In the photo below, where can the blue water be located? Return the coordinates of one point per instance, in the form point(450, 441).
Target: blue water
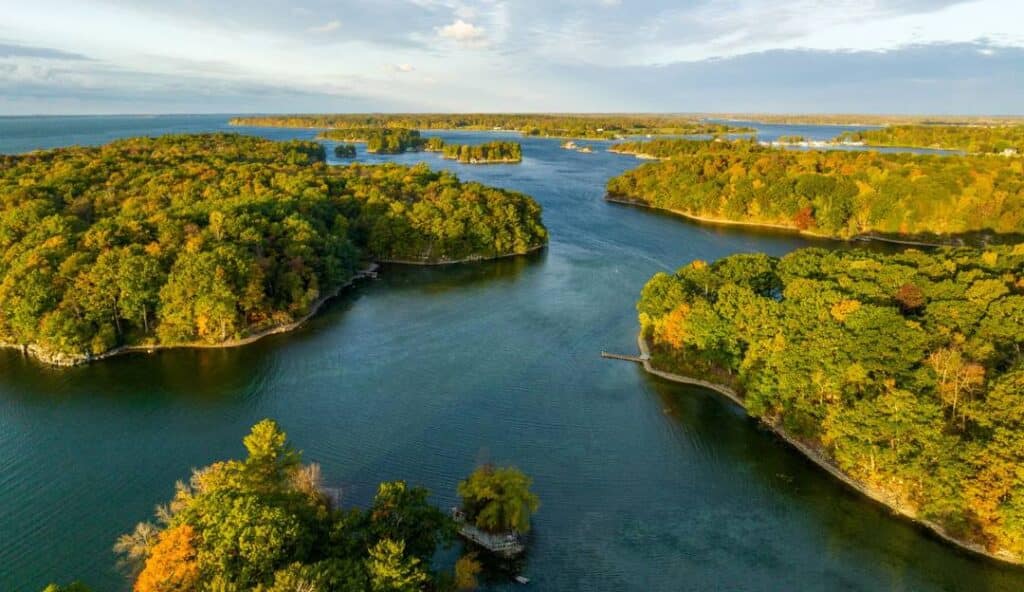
point(645, 485)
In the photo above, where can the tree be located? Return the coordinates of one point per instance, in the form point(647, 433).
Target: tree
point(172, 564)
point(498, 499)
point(391, 570)
point(401, 513)
point(466, 570)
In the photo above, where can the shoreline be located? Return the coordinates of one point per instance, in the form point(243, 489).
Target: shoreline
point(475, 259)
point(68, 361)
point(822, 461)
point(370, 271)
point(770, 226)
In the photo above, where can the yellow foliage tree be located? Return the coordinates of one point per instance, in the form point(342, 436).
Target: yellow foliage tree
point(172, 565)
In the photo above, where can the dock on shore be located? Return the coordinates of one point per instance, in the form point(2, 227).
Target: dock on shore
point(638, 359)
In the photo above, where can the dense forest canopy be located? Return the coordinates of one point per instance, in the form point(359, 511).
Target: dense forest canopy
point(209, 238)
point(380, 140)
point(266, 523)
point(833, 193)
point(484, 153)
point(969, 138)
point(906, 370)
point(608, 126)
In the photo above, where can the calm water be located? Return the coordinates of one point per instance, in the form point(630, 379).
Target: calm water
point(424, 373)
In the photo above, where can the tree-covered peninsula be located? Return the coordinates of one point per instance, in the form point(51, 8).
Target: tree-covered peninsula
point(838, 194)
point(973, 139)
point(487, 153)
point(378, 140)
point(209, 239)
point(903, 371)
point(268, 523)
point(597, 126)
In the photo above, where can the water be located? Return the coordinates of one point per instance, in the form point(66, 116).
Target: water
point(645, 485)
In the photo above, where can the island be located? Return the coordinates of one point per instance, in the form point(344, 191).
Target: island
point(487, 153)
point(901, 374)
point(215, 240)
point(835, 194)
point(345, 151)
point(269, 522)
point(1005, 140)
point(378, 140)
point(584, 125)
point(434, 144)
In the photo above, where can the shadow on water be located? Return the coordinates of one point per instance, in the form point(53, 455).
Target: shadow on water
point(222, 376)
point(439, 279)
point(794, 487)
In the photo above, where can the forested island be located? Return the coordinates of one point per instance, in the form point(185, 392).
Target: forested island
point(345, 151)
point(211, 239)
point(974, 139)
point(839, 194)
point(903, 371)
point(487, 153)
point(596, 126)
point(268, 523)
point(378, 140)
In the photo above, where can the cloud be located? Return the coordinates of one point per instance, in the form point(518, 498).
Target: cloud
point(22, 51)
point(462, 32)
point(401, 68)
point(326, 27)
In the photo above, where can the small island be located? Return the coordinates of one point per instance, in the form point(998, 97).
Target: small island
point(378, 140)
point(216, 240)
point(496, 508)
point(488, 153)
point(434, 144)
point(345, 151)
point(901, 374)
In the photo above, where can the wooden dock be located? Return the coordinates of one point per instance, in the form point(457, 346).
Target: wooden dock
point(507, 544)
point(638, 359)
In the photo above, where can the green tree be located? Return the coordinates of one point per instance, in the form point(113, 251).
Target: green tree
point(499, 498)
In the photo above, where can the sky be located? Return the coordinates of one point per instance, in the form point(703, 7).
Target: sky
point(300, 56)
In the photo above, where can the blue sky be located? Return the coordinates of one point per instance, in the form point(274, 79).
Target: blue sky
point(162, 56)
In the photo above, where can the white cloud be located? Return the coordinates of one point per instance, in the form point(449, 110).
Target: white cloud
point(326, 27)
point(403, 68)
point(462, 32)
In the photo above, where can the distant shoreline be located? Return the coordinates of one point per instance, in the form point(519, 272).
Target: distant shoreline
point(819, 458)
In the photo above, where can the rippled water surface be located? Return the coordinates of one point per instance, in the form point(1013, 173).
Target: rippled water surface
point(422, 374)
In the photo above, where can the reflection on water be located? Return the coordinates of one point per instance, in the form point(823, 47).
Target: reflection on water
point(426, 372)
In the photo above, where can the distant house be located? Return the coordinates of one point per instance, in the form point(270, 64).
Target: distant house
point(1009, 152)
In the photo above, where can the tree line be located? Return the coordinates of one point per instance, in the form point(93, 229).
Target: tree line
point(833, 193)
point(484, 153)
point(986, 139)
point(268, 524)
point(598, 126)
point(379, 140)
point(905, 370)
point(209, 238)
